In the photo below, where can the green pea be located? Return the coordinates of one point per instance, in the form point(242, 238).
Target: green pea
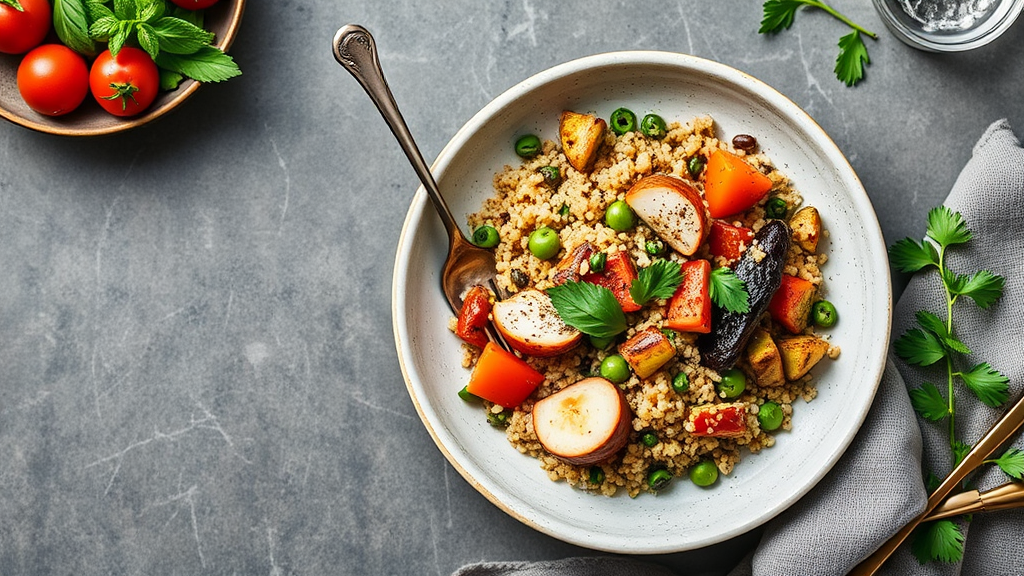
point(653, 126)
point(658, 478)
point(597, 262)
point(615, 369)
point(601, 343)
point(499, 419)
point(619, 216)
point(528, 146)
point(649, 439)
point(769, 415)
point(670, 334)
point(776, 208)
point(486, 237)
point(681, 383)
point(694, 166)
point(468, 396)
point(733, 383)
point(544, 243)
point(552, 176)
point(825, 314)
point(654, 247)
point(564, 210)
point(622, 120)
point(596, 475)
point(704, 473)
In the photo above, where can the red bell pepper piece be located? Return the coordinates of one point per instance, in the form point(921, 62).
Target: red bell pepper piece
point(689, 310)
point(476, 307)
point(728, 241)
point(503, 378)
point(617, 276)
point(719, 420)
point(791, 304)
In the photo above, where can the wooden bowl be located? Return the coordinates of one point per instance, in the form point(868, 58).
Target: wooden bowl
point(223, 19)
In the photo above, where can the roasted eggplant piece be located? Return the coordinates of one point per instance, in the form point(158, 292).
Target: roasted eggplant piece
point(761, 270)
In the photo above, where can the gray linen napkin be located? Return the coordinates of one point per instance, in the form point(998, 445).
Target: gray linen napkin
point(877, 486)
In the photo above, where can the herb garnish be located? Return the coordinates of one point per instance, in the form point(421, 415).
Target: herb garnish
point(935, 341)
point(13, 4)
point(659, 280)
point(728, 291)
point(853, 54)
point(589, 308)
point(173, 37)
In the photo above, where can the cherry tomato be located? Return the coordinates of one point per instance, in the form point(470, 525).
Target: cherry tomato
point(124, 85)
point(21, 31)
point(194, 4)
point(473, 316)
point(53, 79)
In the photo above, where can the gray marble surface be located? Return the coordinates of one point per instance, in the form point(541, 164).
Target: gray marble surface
point(198, 368)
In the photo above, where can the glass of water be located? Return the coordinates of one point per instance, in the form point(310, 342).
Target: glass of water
point(948, 25)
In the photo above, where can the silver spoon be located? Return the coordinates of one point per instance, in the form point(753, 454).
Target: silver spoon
point(466, 265)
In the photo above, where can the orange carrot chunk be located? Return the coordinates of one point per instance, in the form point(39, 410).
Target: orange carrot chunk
point(501, 377)
point(731, 185)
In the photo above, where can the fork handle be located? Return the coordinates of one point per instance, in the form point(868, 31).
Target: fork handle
point(356, 51)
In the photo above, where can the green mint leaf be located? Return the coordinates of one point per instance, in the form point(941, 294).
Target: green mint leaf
point(117, 41)
point(71, 23)
point(728, 291)
point(169, 80)
point(929, 403)
point(103, 28)
point(151, 10)
point(947, 227)
point(194, 17)
point(988, 385)
point(126, 9)
point(148, 39)
point(589, 308)
point(853, 55)
point(208, 64)
point(778, 15)
point(13, 4)
point(919, 347)
point(180, 37)
point(659, 280)
point(1012, 463)
point(909, 256)
point(984, 288)
point(941, 540)
point(960, 451)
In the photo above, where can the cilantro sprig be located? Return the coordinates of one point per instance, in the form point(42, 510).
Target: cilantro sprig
point(173, 37)
point(728, 291)
point(853, 54)
point(935, 341)
point(589, 308)
point(659, 280)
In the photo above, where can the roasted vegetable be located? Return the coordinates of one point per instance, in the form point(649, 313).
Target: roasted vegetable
point(617, 276)
point(581, 136)
point(765, 360)
point(472, 324)
point(791, 304)
point(761, 271)
point(689, 310)
point(647, 351)
point(530, 324)
point(583, 423)
point(673, 208)
point(800, 354)
point(571, 267)
point(731, 185)
point(718, 420)
point(806, 225)
point(728, 241)
point(502, 378)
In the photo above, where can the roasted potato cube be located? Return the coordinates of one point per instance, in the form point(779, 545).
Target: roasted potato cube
point(581, 136)
point(647, 351)
point(800, 354)
point(806, 225)
point(765, 360)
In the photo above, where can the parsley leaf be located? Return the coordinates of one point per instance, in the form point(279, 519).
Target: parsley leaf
point(659, 280)
point(929, 403)
point(853, 55)
point(909, 256)
point(983, 287)
point(728, 291)
point(919, 347)
point(947, 227)
point(589, 308)
point(937, 327)
point(988, 385)
point(940, 540)
point(1011, 462)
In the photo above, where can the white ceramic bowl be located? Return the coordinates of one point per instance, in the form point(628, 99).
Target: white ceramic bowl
point(684, 516)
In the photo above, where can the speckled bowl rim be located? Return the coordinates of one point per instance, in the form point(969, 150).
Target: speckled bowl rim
point(224, 43)
point(877, 320)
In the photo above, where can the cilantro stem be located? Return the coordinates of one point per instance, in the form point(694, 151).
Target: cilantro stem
point(841, 18)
